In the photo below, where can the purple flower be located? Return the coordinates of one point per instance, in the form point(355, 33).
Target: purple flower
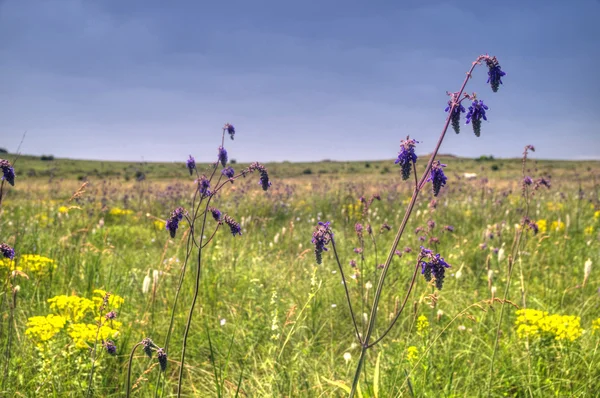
point(475, 114)
point(407, 249)
point(353, 263)
point(264, 176)
point(191, 164)
point(495, 73)
point(228, 172)
point(433, 265)
point(8, 172)
point(321, 237)
point(358, 250)
point(449, 228)
point(162, 359)
point(7, 251)
point(234, 227)
point(148, 345)
point(455, 117)
point(541, 182)
point(222, 156)
point(385, 227)
point(437, 177)
point(215, 213)
point(406, 156)
point(359, 230)
point(111, 315)
point(369, 229)
point(431, 224)
point(531, 224)
point(230, 129)
point(110, 347)
point(203, 186)
point(173, 221)
point(398, 253)
point(527, 180)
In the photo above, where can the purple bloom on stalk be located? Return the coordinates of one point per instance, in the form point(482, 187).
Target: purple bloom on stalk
point(234, 226)
point(111, 315)
point(398, 253)
point(353, 263)
point(495, 73)
point(191, 164)
point(203, 185)
point(406, 156)
point(162, 359)
point(7, 251)
point(437, 177)
point(228, 172)
point(359, 230)
point(449, 228)
point(230, 129)
point(222, 156)
point(455, 117)
point(321, 237)
point(433, 266)
point(215, 213)
point(264, 176)
point(475, 114)
point(148, 345)
point(173, 221)
point(358, 250)
point(527, 180)
point(8, 172)
point(110, 347)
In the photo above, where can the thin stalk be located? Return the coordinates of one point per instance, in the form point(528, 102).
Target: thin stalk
point(129, 368)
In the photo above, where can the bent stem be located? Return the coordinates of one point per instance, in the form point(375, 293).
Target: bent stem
point(408, 212)
point(129, 368)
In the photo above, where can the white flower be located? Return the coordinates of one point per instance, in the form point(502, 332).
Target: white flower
point(587, 270)
point(333, 305)
point(462, 328)
point(223, 321)
point(347, 357)
point(146, 283)
point(493, 291)
point(368, 285)
point(500, 255)
point(276, 238)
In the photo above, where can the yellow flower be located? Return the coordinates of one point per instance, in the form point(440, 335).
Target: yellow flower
point(557, 226)
point(539, 324)
point(36, 263)
point(554, 206)
point(63, 209)
point(596, 326)
point(542, 225)
point(588, 230)
point(422, 325)
point(115, 211)
point(159, 224)
point(114, 301)
point(84, 334)
point(43, 328)
point(412, 353)
point(71, 307)
point(468, 213)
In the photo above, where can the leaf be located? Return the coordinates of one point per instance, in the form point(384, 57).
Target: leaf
point(376, 376)
point(337, 384)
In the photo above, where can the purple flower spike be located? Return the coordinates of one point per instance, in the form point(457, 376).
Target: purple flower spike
point(455, 117)
point(321, 237)
point(406, 156)
point(173, 221)
point(234, 227)
point(475, 114)
point(228, 172)
point(437, 177)
point(264, 176)
point(215, 213)
point(230, 129)
point(191, 164)
point(203, 185)
point(110, 347)
point(162, 359)
point(7, 251)
point(433, 266)
point(8, 172)
point(222, 156)
point(495, 73)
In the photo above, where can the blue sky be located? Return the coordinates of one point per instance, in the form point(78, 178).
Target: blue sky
point(302, 80)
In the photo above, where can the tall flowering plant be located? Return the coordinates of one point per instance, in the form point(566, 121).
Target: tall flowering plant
point(431, 265)
point(201, 216)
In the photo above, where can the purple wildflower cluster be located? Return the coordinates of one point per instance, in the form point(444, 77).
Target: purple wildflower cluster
point(191, 164)
point(406, 156)
point(215, 213)
point(8, 172)
point(234, 226)
point(531, 224)
point(203, 186)
point(321, 237)
point(437, 177)
point(7, 251)
point(495, 73)
point(433, 266)
point(110, 347)
point(455, 116)
point(173, 221)
point(223, 156)
point(162, 359)
point(148, 345)
point(229, 129)
point(264, 176)
point(475, 114)
point(228, 172)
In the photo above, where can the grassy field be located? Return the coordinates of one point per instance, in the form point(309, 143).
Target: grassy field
point(271, 322)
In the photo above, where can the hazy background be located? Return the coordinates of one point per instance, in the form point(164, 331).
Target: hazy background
point(304, 80)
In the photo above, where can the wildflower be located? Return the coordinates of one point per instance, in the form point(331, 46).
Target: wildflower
point(353, 263)
point(162, 355)
point(449, 228)
point(455, 117)
point(433, 265)
point(398, 253)
point(111, 315)
point(191, 164)
point(541, 182)
point(596, 326)
point(431, 224)
point(215, 213)
point(422, 325)
point(531, 224)
point(173, 221)
point(540, 324)
point(264, 176)
point(110, 347)
point(406, 156)
point(222, 156)
point(235, 227)
point(230, 129)
point(557, 226)
point(412, 353)
point(542, 225)
point(228, 172)
point(146, 283)
point(587, 270)
point(43, 328)
point(73, 308)
point(369, 229)
point(439, 315)
point(407, 250)
point(359, 230)
point(8, 172)
point(589, 230)
point(347, 357)
point(321, 237)
point(203, 186)
point(475, 114)
point(527, 180)
point(385, 227)
point(358, 250)
point(501, 255)
point(495, 73)
point(148, 345)
point(437, 177)
point(368, 285)
point(7, 251)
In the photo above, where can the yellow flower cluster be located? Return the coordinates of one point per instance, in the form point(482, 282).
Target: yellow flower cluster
point(540, 324)
point(554, 206)
point(115, 211)
point(32, 263)
point(596, 326)
point(63, 209)
point(68, 314)
point(160, 225)
point(412, 353)
point(353, 210)
point(588, 230)
point(597, 214)
point(557, 226)
point(422, 324)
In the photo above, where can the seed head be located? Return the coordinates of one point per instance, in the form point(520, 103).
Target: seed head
point(215, 213)
point(264, 176)
point(148, 346)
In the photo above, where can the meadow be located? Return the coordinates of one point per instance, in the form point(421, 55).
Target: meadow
point(269, 320)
